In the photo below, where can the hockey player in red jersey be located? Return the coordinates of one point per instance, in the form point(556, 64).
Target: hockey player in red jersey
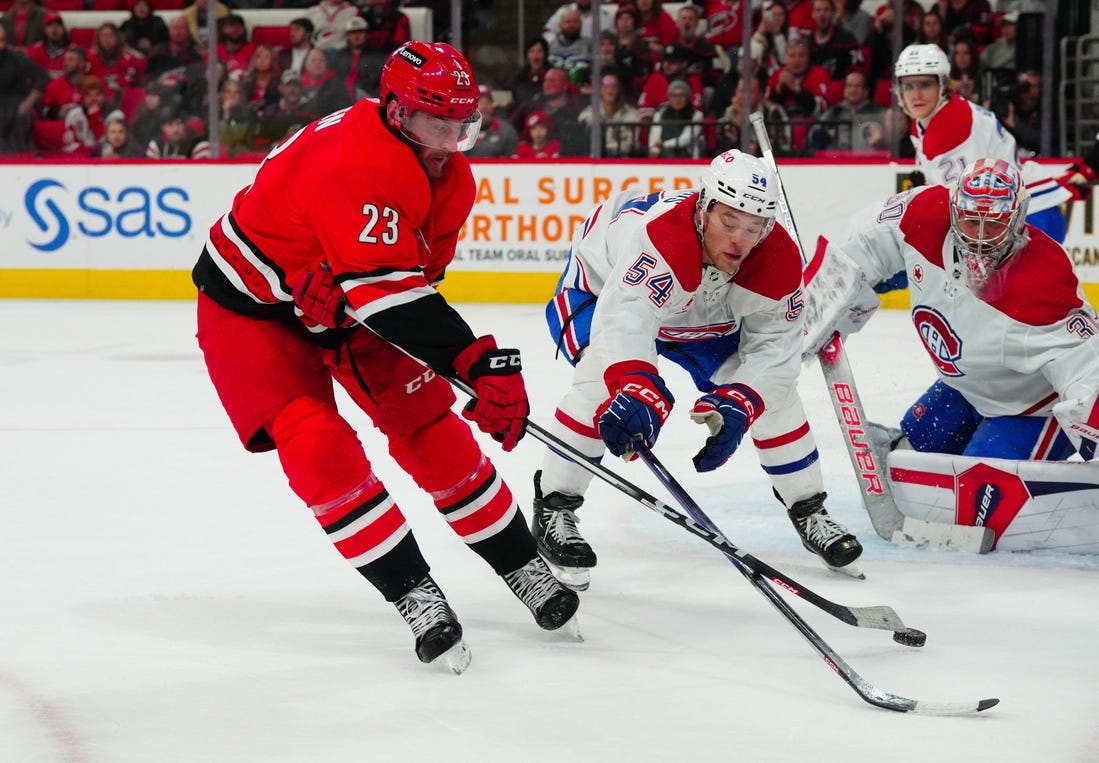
point(706, 279)
point(371, 198)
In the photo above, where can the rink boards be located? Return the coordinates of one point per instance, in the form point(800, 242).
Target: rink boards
point(133, 230)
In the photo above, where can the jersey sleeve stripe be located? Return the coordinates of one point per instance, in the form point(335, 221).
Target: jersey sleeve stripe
point(248, 270)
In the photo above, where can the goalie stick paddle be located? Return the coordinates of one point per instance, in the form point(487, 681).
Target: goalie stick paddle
point(869, 466)
point(862, 687)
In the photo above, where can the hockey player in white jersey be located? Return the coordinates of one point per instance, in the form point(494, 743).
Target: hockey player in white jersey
point(950, 132)
point(706, 279)
point(997, 306)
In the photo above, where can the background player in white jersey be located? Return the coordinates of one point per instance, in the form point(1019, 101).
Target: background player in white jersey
point(705, 278)
point(360, 212)
point(950, 132)
point(996, 305)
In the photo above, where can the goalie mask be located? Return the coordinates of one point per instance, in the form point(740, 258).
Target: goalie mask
point(740, 181)
point(987, 212)
point(435, 93)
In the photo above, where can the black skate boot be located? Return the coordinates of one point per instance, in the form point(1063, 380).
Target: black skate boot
point(434, 625)
point(551, 603)
point(822, 535)
point(553, 526)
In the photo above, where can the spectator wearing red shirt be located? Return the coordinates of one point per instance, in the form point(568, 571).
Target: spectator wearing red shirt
point(654, 94)
point(49, 52)
point(112, 61)
point(834, 49)
point(725, 26)
point(657, 28)
point(537, 142)
point(702, 52)
point(388, 27)
point(800, 89)
point(64, 92)
point(800, 15)
point(234, 49)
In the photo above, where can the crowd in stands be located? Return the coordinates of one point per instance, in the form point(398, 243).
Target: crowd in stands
point(671, 85)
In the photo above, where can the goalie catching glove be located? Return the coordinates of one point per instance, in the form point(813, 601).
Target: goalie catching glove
point(319, 301)
point(640, 406)
point(728, 411)
point(501, 407)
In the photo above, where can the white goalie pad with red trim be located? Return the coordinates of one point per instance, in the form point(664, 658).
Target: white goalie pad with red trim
point(1029, 505)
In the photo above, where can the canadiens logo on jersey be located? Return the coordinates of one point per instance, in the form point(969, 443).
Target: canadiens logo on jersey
point(695, 333)
point(939, 339)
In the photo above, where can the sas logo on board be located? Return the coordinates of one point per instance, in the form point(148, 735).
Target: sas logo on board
point(95, 212)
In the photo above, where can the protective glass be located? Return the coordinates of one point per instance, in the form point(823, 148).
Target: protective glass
point(440, 133)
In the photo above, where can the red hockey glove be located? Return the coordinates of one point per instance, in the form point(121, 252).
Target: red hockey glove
point(501, 407)
point(320, 300)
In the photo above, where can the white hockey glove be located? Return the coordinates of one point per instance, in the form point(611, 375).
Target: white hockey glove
point(1080, 420)
point(838, 299)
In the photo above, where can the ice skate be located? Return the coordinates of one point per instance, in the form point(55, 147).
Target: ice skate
point(435, 626)
point(552, 604)
point(825, 537)
point(553, 525)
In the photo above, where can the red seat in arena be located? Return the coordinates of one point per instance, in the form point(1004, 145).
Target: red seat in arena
point(63, 5)
point(883, 92)
point(167, 5)
point(132, 98)
point(82, 36)
point(110, 5)
point(272, 36)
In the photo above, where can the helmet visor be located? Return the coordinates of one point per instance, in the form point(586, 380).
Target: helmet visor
point(440, 133)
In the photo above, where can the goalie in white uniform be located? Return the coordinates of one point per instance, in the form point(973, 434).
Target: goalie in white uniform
point(706, 279)
point(995, 303)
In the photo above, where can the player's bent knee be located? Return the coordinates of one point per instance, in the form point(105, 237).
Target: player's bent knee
point(319, 451)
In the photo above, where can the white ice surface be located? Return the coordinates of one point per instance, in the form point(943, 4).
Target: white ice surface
point(165, 597)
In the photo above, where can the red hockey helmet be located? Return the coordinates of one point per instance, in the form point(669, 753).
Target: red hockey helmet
point(433, 78)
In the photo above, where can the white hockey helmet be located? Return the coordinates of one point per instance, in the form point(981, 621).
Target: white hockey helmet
point(742, 182)
point(916, 60)
point(988, 209)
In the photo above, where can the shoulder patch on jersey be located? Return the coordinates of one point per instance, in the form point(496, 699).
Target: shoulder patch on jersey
point(673, 235)
point(926, 223)
point(773, 268)
point(1040, 288)
point(952, 126)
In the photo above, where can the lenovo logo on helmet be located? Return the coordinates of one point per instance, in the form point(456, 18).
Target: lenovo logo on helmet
point(412, 57)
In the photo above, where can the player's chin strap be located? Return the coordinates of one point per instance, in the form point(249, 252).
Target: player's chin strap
point(868, 461)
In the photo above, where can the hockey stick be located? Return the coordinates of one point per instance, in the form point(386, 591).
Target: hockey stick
point(878, 617)
point(862, 687)
point(870, 468)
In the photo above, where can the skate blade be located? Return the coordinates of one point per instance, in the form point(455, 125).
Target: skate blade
point(572, 628)
point(576, 578)
point(852, 570)
point(457, 658)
